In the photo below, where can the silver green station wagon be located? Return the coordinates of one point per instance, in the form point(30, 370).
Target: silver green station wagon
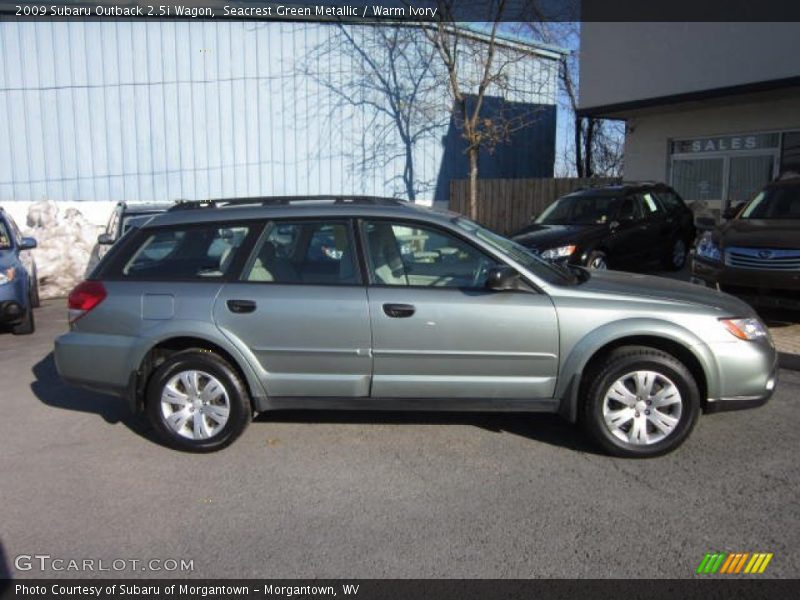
point(217, 310)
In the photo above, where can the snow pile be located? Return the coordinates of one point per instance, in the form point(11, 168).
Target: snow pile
point(65, 241)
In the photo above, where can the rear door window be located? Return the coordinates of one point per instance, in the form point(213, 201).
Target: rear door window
point(186, 253)
point(630, 209)
point(650, 205)
point(304, 252)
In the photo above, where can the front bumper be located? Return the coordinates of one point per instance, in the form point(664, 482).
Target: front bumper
point(775, 289)
point(748, 375)
point(12, 303)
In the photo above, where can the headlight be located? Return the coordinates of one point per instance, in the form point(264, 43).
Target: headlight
point(560, 252)
point(707, 248)
point(745, 329)
point(7, 275)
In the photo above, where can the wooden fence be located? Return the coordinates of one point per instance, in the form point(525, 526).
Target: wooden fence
point(507, 205)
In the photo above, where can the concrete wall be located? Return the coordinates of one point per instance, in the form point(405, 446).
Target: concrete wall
point(649, 131)
point(624, 62)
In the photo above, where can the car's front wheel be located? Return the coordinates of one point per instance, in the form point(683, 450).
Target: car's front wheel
point(196, 401)
point(28, 325)
point(675, 259)
point(597, 261)
point(641, 402)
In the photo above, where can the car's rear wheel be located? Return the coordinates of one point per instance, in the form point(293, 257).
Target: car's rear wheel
point(27, 325)
point(640, 402)
point(675, 259)
point(196, 401)
point(597, 261)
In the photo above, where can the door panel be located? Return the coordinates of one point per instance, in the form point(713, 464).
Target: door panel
point(308, 340)
point(463, 344)
point(628, 241)
point(438, 333)
point(301, 310)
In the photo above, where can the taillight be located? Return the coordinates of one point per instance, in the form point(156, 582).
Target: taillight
point(84, 297)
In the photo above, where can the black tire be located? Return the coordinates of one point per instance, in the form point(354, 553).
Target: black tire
point(617, 365)
point(27, 326)
point(597, 258)
point(35, 300)
point(674, 260)
point(209, 363)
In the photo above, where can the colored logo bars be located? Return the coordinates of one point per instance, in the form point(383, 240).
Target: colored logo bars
point(734, 563)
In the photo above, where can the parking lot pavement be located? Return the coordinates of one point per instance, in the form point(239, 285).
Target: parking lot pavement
point(382, 495)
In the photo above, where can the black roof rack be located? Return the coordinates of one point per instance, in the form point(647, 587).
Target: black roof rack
point(287, 201)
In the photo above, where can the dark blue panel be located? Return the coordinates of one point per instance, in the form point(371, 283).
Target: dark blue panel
point(529, 152)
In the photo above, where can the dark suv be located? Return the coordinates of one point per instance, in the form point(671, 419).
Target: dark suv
point(614, 227)
point(756, 254)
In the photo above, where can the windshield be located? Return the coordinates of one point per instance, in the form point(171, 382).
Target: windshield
point(774, 203)
point(580, 210)
point(5, 238)
point(520, 254)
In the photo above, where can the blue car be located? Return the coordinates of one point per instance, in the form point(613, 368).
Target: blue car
point(19, 287)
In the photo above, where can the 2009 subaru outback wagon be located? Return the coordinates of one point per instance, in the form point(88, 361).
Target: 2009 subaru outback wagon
point(213, 311)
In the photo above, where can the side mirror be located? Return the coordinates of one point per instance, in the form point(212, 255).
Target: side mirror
point(732, 211)
point(502, 278)
point(27, 243)
point(534, 216)
point(105, 239)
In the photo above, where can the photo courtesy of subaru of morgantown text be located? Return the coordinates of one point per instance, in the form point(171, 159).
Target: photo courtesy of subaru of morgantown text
point(408, 299)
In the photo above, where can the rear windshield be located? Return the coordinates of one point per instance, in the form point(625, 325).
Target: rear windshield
point(580, 210)
point(186, 253)
point(774, 203)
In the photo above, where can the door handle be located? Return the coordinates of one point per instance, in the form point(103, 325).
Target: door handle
point(399, 311)
point(241, 306)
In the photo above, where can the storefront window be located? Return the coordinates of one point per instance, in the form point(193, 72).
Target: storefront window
point(790, 157)
point(748, 174)
point(698, 178)
point(726, 170)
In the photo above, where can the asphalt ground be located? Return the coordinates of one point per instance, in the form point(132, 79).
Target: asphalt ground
point(376, 495)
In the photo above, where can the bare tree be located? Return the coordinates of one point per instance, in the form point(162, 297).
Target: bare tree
point(478, 66)
point(389, 78)
point(597, 145)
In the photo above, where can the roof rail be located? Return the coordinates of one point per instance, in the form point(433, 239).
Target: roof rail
point(286, 201)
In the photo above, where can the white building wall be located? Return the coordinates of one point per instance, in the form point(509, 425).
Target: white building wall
point(650, 131)
point(154, 110)
point(625, 62)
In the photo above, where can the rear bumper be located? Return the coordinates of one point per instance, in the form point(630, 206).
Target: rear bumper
point(96, 361)
point(776, 289)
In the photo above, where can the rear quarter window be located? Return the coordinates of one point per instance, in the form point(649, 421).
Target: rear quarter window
point(183, 253)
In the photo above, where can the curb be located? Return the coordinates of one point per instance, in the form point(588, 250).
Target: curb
point(789, 361)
